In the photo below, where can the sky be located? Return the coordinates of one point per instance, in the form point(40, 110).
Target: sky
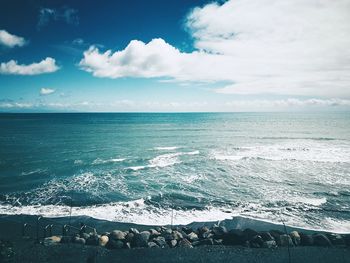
point(174, 56)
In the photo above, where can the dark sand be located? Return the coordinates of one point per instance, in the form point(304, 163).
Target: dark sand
point(27, 250)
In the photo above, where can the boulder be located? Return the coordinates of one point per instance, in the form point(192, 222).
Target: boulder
point(53, 240)
point(234, 237)
point(84, 235)
point(79, 240)
point(177, 235)
point(336, 239)
point(129, 237)
point(160, 241)
point(202, 230)
point(285, 241)
point(269, 244)
point(192, 236)
point(184, 243)
point(306, 240)
point(172, 243)
point(152, 245)
point(257, 241)
point(218, 241)
point(103, 240)
point(248, 234)
point(321, 240)
point(115, 244)
point(93, 240)
point(134, 231)
point(117, 235)
point(219, 231)
point(187, 230)
point(141, 239)
point(154, 233)
point(295, 238)
point(266, 236)
point(66, 239)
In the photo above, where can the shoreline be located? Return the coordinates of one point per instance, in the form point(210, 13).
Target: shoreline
point(30, 245)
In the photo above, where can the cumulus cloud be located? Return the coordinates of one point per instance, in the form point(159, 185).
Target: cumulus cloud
point(65, 14)
point(281, 47)
point(48, 65)
point(46, 91)
point(10, 40)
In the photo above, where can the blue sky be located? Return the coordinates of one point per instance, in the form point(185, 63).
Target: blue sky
point(174, 55)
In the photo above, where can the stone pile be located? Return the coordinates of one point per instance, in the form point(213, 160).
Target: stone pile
point(185, 237)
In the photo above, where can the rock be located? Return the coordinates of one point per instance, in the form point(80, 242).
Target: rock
point(276, 235)
point(159, 229)
point(117, 235)
point(115, 244)
point(306, 240)
point(219, 231)
point(134, 231)
point(66, 239)
point(177, 235)
point(192, 236)
point(127, 245)
point(206, 242)
point(84, 235)
point(129, 237)
point(218, 241)
point(103, 240)
point(79, 240)
point(141, 239)
point(50, 241)
point(266, 236)
point(152, 245)
point(321, 240)
point(234, 237)
point(187, 230)
point(285, 241)
point(295, 238)
point(257, 241)
point(336, 239)
point(184, 243)
point(105, 234)
point(248, 234)
point(173, 243)
point(202, 230)
point(160, 241)
point(154, 233)
point(269, 244)
point(92, 240)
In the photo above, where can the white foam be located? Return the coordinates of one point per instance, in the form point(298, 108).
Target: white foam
point(163, 160)
point(113, 160)
point(166, 148)
point(78, 162)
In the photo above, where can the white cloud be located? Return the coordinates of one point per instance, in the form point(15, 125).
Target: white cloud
point(46, 91)
point(9, 40)
point(256, 46)
point(12, 67)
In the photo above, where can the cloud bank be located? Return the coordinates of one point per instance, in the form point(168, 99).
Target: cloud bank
point(48, 65)
point(10, 40)
point(277, 47)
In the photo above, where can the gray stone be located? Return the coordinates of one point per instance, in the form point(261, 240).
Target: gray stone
point(295, 237)
point(129, 237)
point(219, 231)
point(160, 241)
point(53, 240)
point(218, 241)
point(192, 236)
point(141, 239)
point(257, 241)
point(266, 236)
point(336, 239)
point(79, 240)
point(154, 233)
point(117, 235)
point(306, 240)
point(93, 240)
point(115, 244)
point(134, 231)
point(173, 243)
point(152, 245)
point(84, 235)
point(285, 241)
point(321, 240)
point(248, 234)
point(269, 244)
point(184, 243)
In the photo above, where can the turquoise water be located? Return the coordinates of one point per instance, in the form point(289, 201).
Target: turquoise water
point(144, 168)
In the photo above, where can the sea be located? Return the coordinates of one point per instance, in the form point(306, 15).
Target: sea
point(177, 168)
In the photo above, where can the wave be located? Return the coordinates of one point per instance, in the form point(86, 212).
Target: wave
point(113, 160)
point(36, 171)
point(166, 148)
point(140, 211)
point(163, 160)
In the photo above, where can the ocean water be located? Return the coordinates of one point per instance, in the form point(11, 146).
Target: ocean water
point(163, 168)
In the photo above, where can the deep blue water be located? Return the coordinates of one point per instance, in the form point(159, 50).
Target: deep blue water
point(206, 166)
